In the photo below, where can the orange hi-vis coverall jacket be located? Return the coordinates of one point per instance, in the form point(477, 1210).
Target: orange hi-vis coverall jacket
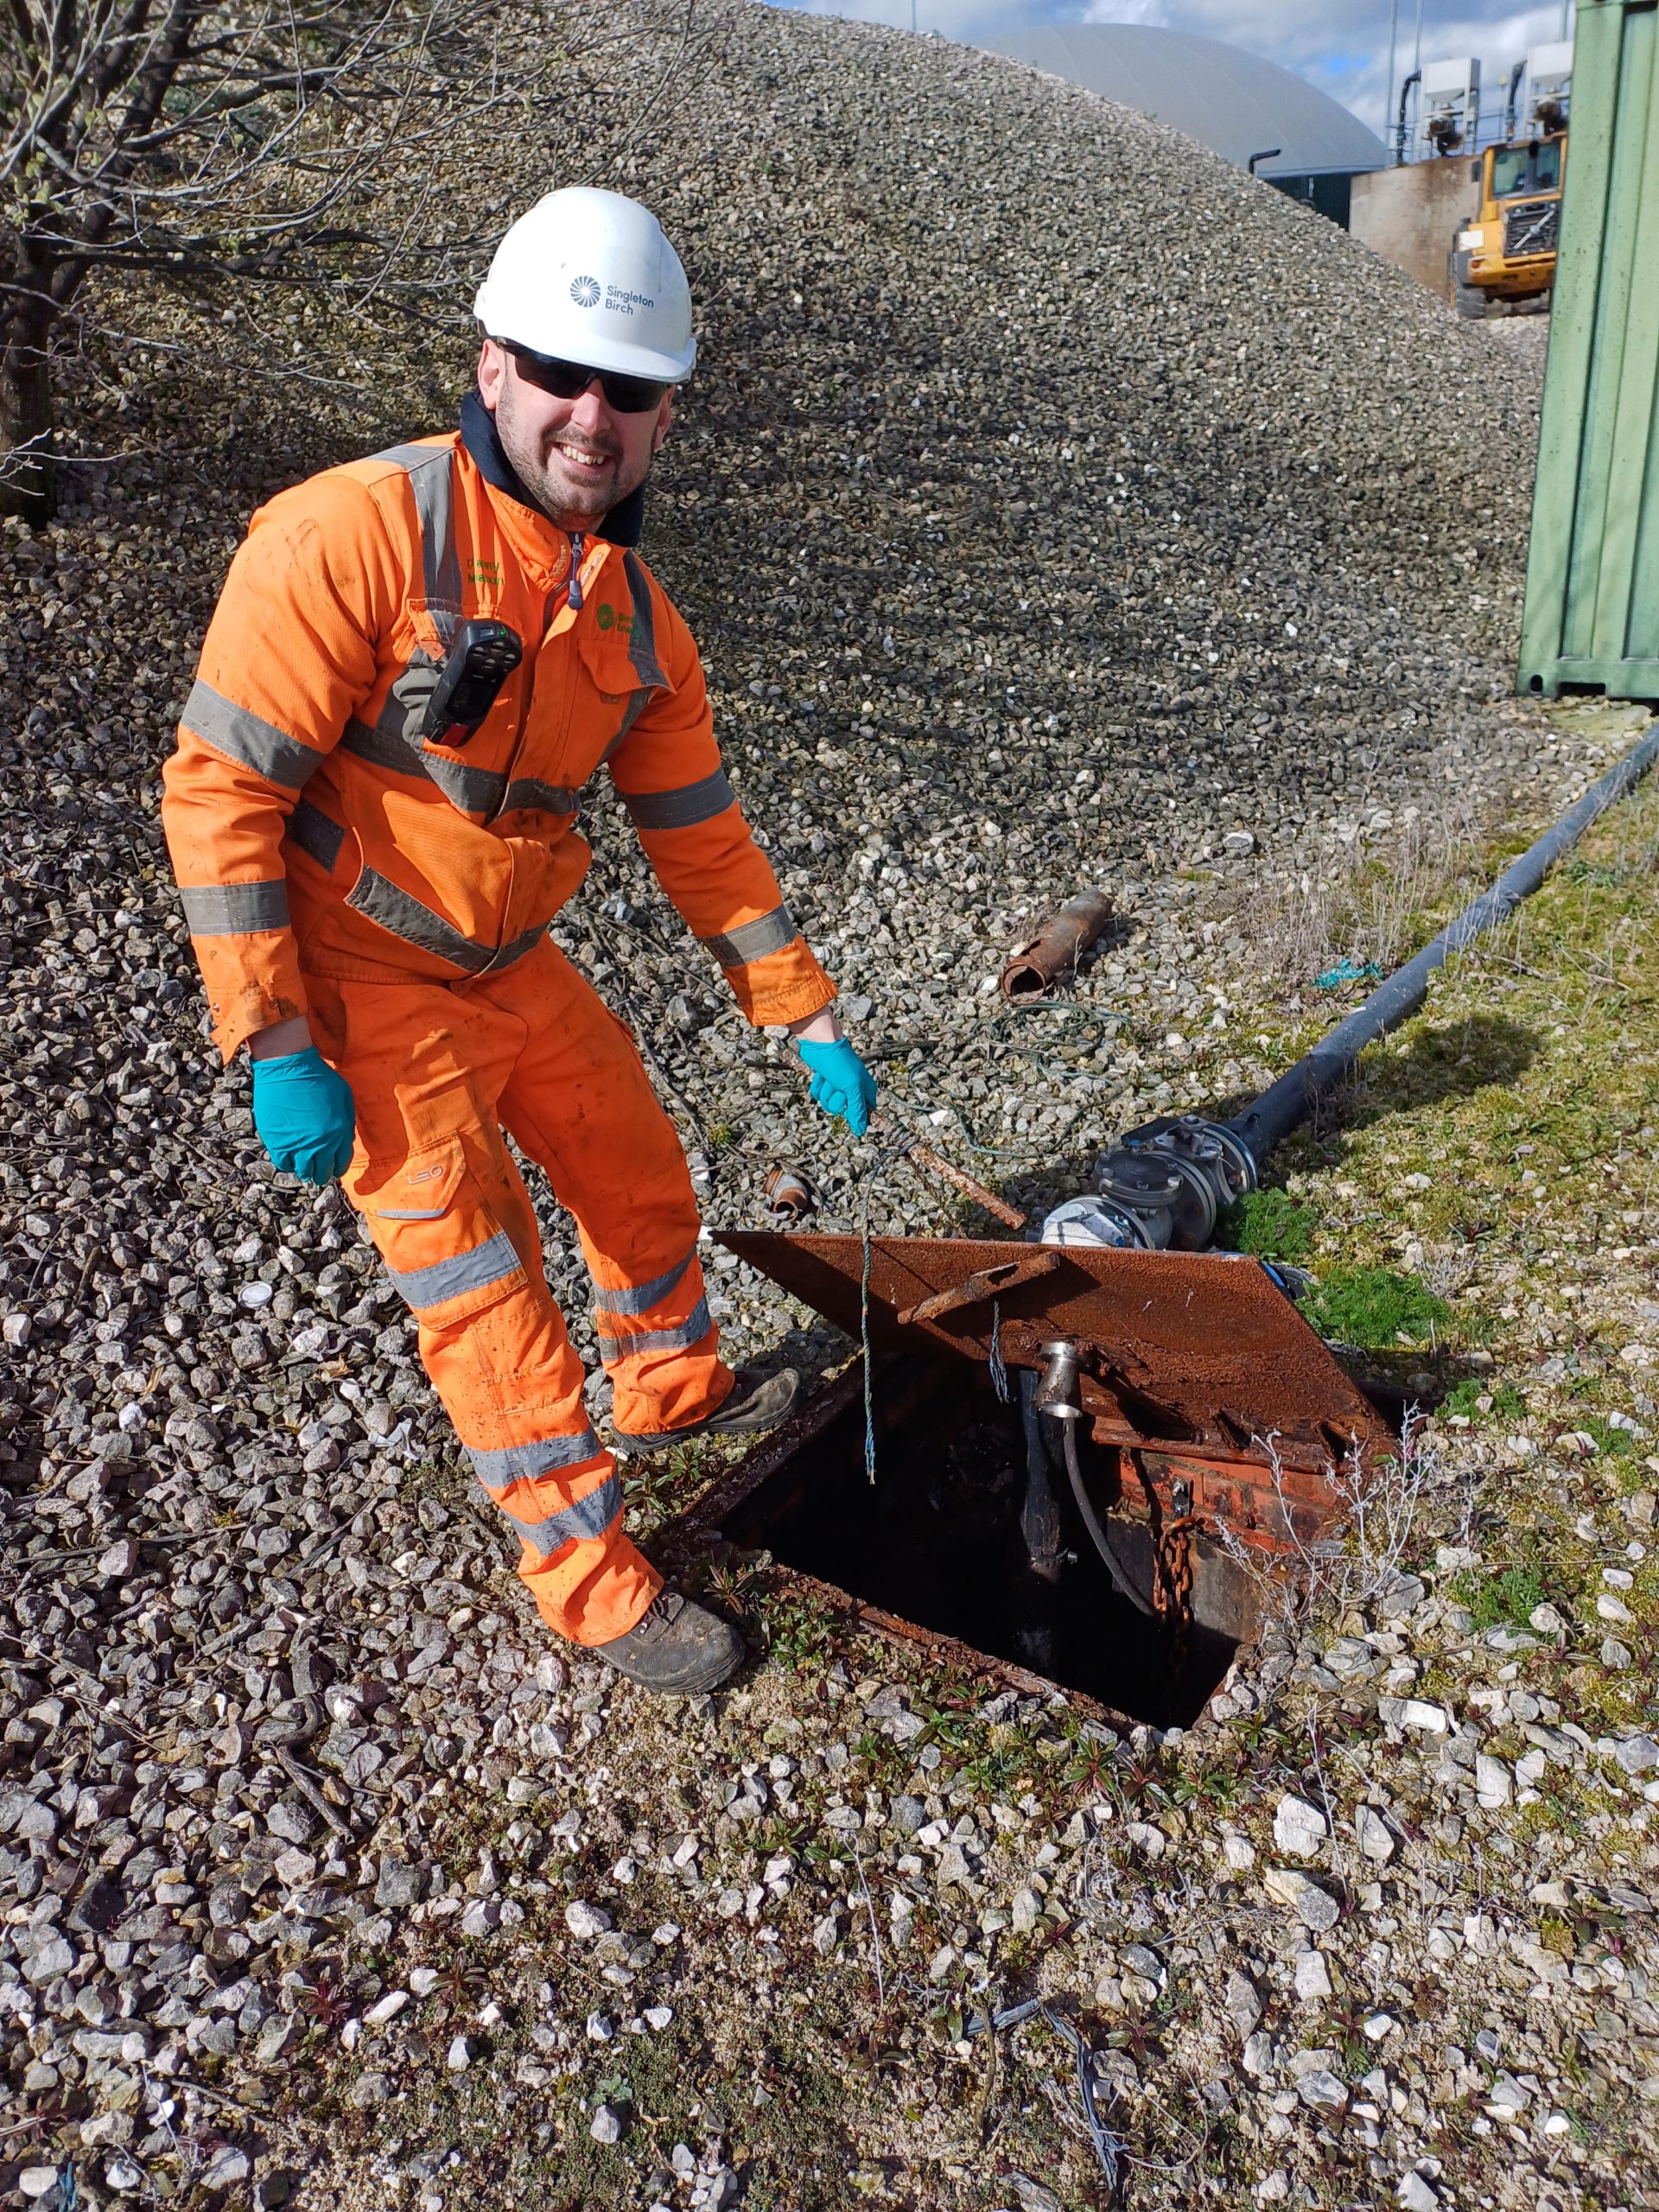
point(334, 863)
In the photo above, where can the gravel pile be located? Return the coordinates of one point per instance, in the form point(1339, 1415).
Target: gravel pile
point(1054, 506)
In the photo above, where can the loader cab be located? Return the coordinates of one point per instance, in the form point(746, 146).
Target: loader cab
point(1526, 165)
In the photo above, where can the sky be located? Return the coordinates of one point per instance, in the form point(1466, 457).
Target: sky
point(1342, 46)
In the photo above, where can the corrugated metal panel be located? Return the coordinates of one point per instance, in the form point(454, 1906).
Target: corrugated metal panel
point(1593, 573)
point(1237, 103)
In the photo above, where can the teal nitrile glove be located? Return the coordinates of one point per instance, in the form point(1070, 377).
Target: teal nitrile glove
point(304, 1115)
point(840, 1081)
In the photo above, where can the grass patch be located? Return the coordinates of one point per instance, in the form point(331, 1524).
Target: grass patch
point(1613, 1443)
point(1499, 1600)
point(1271, 1224)
point(1475, 1402)
point(1375, 1309)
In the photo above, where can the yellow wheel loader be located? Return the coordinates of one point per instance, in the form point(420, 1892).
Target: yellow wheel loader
point(1507, 250)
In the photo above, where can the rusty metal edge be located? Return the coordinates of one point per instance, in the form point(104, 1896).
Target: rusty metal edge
point(701, 1522)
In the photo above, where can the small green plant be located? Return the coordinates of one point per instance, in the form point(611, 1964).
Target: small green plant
point(1477, 1402)
point(1614, 1443)
point(1493, 1600)
point(1270, 1223)
point(1375, 1309)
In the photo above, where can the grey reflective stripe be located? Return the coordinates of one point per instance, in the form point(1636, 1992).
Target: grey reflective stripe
point(406, 916)
point(520, 946)
point(640, 1297)
point(679, 810)
point(247, 738)
point(589, 1517)
point(642, 636)
point(381, 748)
point(316, 833)
point(692, 1330)
point(228, 909)
point(488, 1264)
point(751, 939)
point(431, 470)
point(474, 790)
point(519, 1463)
point(638, 701)
point(552, 799)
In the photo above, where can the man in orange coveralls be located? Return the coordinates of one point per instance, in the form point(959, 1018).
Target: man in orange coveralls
point(417, 662)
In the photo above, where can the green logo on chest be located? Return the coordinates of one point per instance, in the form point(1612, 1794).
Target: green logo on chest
point(608, 618)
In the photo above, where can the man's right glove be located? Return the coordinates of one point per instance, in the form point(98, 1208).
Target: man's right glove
point(304, 1115)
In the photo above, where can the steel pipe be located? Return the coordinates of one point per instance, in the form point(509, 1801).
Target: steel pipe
point(1059, 943)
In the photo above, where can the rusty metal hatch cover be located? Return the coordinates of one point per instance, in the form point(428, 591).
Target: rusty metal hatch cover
point(1200, 1352)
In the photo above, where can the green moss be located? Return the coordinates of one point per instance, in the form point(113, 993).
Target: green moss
point(1375, 1309)
point(1270, 1223)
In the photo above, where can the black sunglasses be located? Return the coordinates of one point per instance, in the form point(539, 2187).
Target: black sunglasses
point(569, 379)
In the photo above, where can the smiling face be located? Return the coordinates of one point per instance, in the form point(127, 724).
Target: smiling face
point(576, 458)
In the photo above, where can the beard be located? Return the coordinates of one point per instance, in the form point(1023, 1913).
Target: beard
point(566, 500)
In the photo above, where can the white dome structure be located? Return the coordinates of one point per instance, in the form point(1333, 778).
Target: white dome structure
point(1233, 102)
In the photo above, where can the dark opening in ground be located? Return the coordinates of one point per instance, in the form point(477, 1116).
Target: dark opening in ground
point(937, 1540)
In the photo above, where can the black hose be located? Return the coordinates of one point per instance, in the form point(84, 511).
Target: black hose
point(1400, 141)
point(1103, 1542)
point(1039, 1510)
point(1279, 1110)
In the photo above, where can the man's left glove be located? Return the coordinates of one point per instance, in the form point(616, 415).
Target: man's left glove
point(304, 1115)
point(842, 1084)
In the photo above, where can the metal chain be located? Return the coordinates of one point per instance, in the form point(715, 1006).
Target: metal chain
point(1172, 1585)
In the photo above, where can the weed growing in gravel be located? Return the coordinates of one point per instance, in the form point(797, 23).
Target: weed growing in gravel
point(1375, 1309)
point(1472, 1401)
point(1494, 1599)
point(1613, 1442)
point(1381, 905)
point(1270, 1223)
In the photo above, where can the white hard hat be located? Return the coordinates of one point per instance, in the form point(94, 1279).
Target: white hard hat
point(587, 276)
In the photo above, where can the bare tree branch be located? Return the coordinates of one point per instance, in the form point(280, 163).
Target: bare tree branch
point(280, 141)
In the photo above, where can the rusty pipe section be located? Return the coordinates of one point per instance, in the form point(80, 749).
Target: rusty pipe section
point(789, 1197)
point(1058, 945)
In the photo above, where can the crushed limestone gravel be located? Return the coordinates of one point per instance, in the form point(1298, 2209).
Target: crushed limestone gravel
point(1054, 506)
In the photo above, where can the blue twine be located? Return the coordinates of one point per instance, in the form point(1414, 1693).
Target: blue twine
point(68, 2195)
point(1108, 2147)
point(873, 1175)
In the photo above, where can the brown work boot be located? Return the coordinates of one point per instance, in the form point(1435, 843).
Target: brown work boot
point(756, 1401)
point(676, 1646)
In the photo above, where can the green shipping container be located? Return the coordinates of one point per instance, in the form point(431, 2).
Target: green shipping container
point(1592, 619)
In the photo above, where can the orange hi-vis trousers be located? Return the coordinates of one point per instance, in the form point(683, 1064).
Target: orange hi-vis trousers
point(436, 1070)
